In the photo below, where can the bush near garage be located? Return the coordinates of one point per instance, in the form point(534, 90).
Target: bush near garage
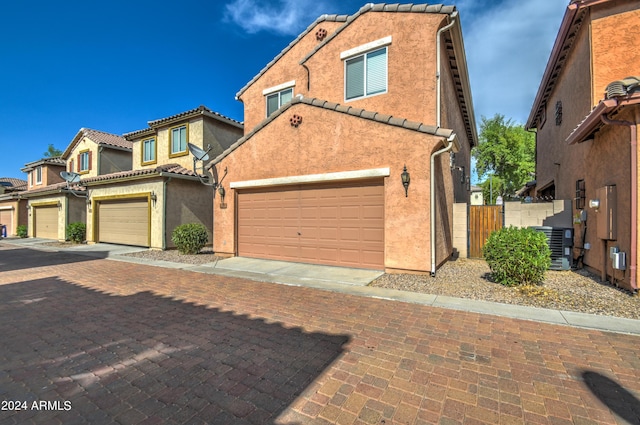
point(190, 238)
point(77, 232)
point(21, 231)
point(517, 256)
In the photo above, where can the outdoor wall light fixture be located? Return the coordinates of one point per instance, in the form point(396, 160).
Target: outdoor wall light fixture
point(222, 192)
point(594, 203)
point(406, 179)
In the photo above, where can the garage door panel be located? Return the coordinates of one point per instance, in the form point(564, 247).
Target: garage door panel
point(325, 224)
point(124, 222)
point(46, 222)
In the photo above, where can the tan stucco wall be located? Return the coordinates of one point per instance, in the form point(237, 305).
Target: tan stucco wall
point(614, 30)
point(329, 142)
point(188, 201)
point(126, 189)
point(411, 67)
point(286, 69)
point(19, 214)
point(70, 209)
point(50, 175)
point(84, 145)
point(114, 161)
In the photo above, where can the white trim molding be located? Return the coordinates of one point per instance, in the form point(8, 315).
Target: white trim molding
point(312, 178)
point(279, 87)
point(366, 47)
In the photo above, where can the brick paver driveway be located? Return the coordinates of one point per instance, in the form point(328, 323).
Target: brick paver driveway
point(101, 342)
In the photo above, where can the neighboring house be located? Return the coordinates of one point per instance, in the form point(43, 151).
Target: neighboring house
point(476, 197)
point(52, 203)
point(142, 206)
point(331, 124)
point(586, 115)
point(13, 209)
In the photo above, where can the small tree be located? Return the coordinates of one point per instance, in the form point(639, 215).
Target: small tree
point(21, 231)
point(190, 238)
point(517, 256)
point(52, 152)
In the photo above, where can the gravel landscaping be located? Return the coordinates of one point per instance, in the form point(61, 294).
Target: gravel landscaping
point(469, 278)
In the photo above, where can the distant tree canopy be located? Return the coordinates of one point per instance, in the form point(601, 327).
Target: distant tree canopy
point(507, 152)
point(52, 152)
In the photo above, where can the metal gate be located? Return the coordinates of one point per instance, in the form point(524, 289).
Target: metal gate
point(483, 219)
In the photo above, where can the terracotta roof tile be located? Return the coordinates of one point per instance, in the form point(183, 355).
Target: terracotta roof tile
point(56, 160)
point(361, 113)
point(145, 172)
point(52, 188)
point(103, 138)
point(200, 110)
point(12, 183)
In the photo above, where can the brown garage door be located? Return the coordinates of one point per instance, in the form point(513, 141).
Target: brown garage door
point(124, 222)
point(338, 224)
point(46, 222)
point(6, 219)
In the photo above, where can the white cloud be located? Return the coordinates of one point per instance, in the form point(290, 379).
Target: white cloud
point(507, 47)
point(284, 17)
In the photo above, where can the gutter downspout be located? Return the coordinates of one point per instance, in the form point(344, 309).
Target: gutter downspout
point(451, 139)
point(164, 213)
point(438, 66)
point(633, 127)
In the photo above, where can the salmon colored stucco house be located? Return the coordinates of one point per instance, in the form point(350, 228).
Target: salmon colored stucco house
point(13, 209)
point(586, 115)
point(332, 126)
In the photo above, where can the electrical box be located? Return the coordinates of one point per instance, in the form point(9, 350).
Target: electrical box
point(619, 261)
point(606, 223)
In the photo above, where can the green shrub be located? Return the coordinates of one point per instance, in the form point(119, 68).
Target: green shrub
point(517, 256)
point(21, 231)
point(76, 232)
point(190, 238)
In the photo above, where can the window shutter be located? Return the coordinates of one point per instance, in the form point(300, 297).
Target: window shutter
point(89, 160)
point(377, 71)
point(79, 162)
point(355, 77)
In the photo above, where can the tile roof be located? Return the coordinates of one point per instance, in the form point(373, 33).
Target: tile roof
point(347, 19)
point(357, 112)
point(56, 160)
point(200, 110)
point(173, 169)
point(11, 183)
point(102, 138)
point(52, 188)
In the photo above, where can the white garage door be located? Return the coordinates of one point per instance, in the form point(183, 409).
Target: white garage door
point(124, 222)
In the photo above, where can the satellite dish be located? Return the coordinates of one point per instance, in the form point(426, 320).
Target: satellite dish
point(200, 154)
point(70, 177)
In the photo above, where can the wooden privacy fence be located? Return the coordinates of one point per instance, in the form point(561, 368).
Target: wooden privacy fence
point(483, 219)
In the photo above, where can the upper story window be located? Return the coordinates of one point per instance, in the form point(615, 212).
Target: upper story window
point(149, 151)
point(38, 172)
point(84, 163)
point(178, 140)
point(278, 96)
point(365, 69)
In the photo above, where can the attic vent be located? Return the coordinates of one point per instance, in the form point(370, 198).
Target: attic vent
point(622, 87)
point(321, 34)
point(559, 112)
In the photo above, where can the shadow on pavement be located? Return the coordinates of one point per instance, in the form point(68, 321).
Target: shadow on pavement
point(24, 258)
point(614, 396)
point(92, 357)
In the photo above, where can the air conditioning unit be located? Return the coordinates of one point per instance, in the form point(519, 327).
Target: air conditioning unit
point(560, 241)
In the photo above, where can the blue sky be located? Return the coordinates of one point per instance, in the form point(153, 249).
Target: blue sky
point(115, 65)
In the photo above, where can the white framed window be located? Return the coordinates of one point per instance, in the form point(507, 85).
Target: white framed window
point(149, 151)
point(366, 74)
point(277, 99)
point(38, 172)
point(83, 161)
point(178, 140)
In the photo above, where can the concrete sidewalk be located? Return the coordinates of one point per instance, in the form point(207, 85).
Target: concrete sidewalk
point(347, 281)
